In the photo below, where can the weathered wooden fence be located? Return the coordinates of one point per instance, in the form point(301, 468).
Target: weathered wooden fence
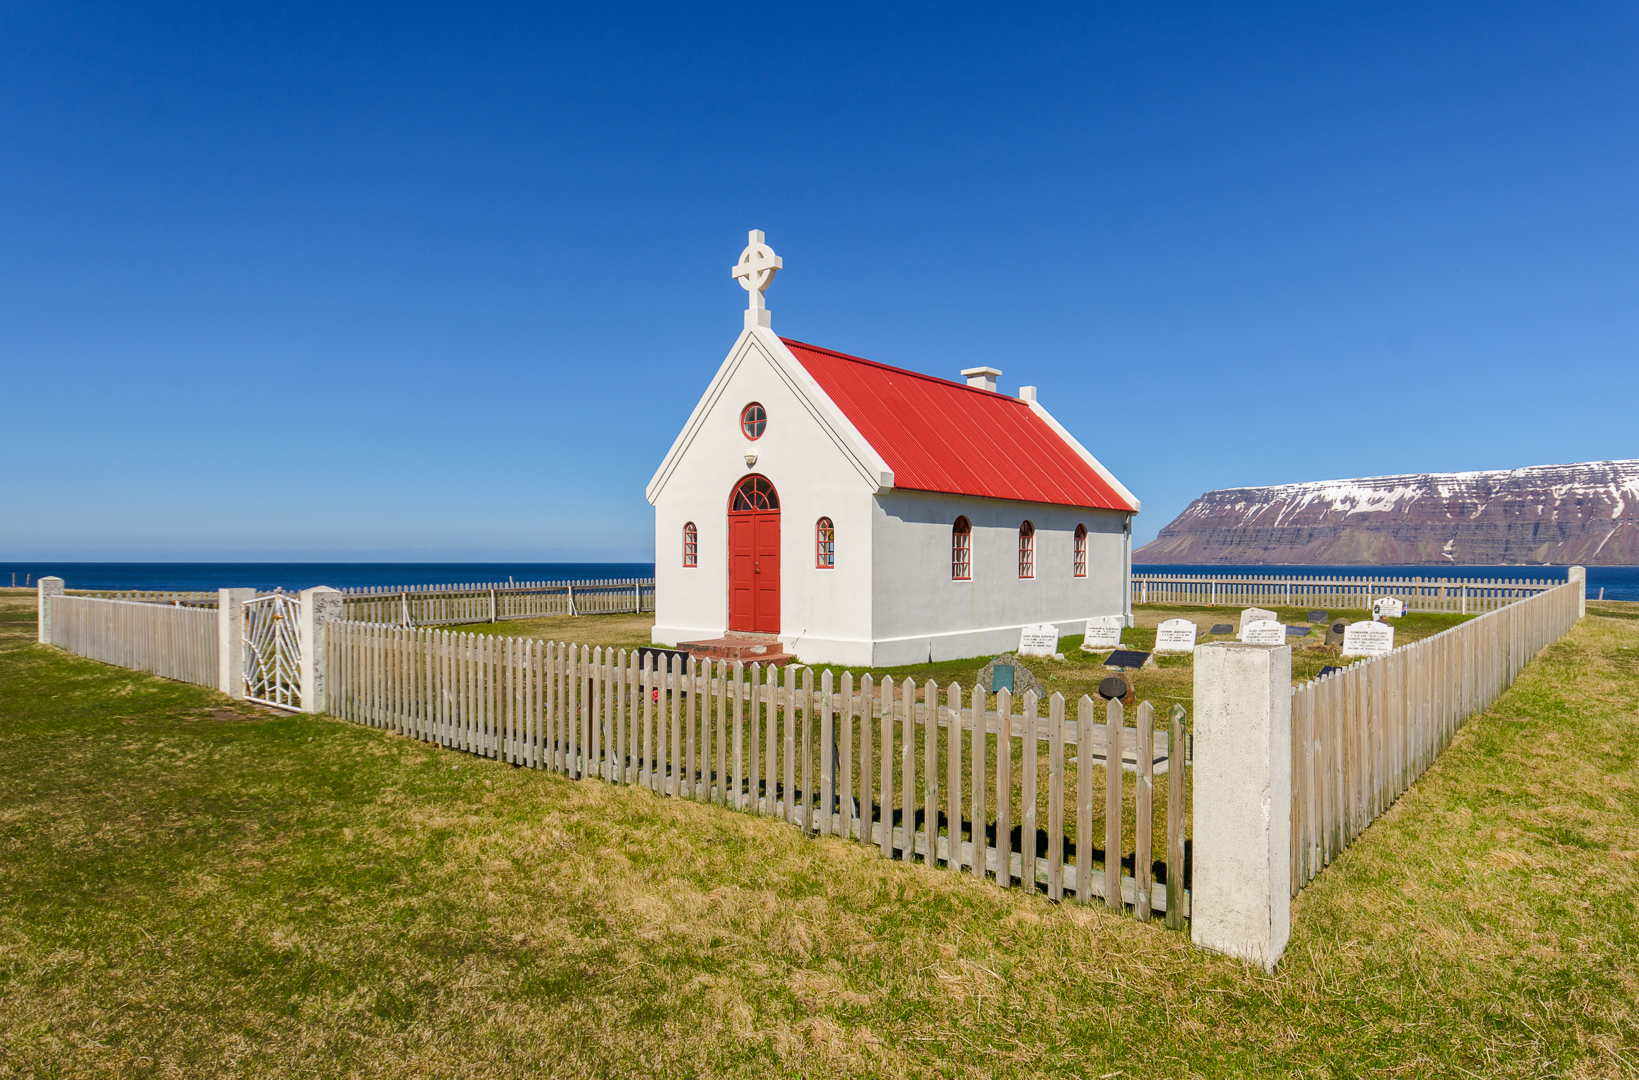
point(150, 596)
point(172, 642)
point(1462, 595)
point(431, 605)
point(1363, 735)
point(1022, 798)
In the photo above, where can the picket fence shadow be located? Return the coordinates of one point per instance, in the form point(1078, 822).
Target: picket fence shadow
point(953, 783)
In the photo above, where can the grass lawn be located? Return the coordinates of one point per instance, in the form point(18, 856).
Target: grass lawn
point(191, 887)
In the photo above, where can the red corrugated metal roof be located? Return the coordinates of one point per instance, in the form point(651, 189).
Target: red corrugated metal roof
point(938, 435)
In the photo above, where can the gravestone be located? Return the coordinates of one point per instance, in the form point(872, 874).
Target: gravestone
point(1103, 632)
point(1368, 639)
point(1126, 658)
point(1176, 636)
point(1297, 631)
point(1039, 639)
point(1257, 614)
point(1334, 632)
point(1221, 628)
point(993, 676)
point(1388, 607)
point(1317, 616)
point(1263, 632)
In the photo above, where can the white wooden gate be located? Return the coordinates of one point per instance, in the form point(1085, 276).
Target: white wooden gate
point(273, 651)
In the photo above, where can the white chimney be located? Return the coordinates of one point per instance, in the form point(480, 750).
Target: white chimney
point(1027, 393)
point(982, 377)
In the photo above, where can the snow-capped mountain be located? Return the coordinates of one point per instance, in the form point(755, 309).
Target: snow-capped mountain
point(1584, 514)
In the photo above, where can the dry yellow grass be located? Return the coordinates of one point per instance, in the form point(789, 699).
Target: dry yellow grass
point(190, 887)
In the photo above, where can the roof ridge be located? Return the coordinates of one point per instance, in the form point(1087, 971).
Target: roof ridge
point(903, 371)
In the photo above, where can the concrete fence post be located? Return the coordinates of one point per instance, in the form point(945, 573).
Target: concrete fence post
point(318, 604)
point(230, 640)
point(49, 587)
point(1241, 889)
point(1579, 574)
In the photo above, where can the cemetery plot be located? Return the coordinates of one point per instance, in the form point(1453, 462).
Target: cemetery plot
point(1103, 632)
point(1368, 639)
point(1263, 632)
point(1039, 639)
point(1257, 614)
point(1388, 607)
point(1175, 636)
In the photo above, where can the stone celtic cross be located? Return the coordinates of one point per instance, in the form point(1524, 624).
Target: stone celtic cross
point(756, 269)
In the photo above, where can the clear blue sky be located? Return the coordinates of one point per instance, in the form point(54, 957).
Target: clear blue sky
point(442, 283)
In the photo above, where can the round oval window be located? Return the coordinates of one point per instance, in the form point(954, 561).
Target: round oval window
point(753, 420)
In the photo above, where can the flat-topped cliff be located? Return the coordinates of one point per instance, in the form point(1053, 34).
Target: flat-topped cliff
point(1584, 514)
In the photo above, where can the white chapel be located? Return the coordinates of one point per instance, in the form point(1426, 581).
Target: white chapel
point(838, 510)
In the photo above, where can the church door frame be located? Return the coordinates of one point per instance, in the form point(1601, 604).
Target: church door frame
point(754, 556)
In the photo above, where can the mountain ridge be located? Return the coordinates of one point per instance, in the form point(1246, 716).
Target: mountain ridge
point(1585, 513)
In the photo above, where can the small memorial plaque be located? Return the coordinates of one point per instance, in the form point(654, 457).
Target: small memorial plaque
point(1388, 607)
point(1368, 639)
point(1327, 670)
point(1127, 658)
point(1001, 678)
point(1039, 639)
point(1334, 632)
point(1103, 632)
point(1317, 616)
point(1221, 628)
point(1257, 614)
point(1297, 631)
point(1112, 688)
point(1264, 632)
point(1175, 636)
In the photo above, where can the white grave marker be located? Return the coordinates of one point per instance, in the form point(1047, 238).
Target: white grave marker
point(1104, 632)
point(1264, 632)
point(1176, 635)
point(1256, 614)
point(1368, 639)
point(1039, 639)
point(1388, 607)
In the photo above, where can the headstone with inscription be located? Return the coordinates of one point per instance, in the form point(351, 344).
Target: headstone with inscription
point(1368, 639)
point(1263, 632)
point(1317, 616)
point(1297, 631)
point(1257, 614)
point(1039, 639)
point(1334, 632)
point(1221, 628)
point(1388, 607)
point(1103, 632)
point(1175, 636)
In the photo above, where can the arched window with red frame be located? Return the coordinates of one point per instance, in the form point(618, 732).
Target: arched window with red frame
point(1027, 550)
point(961, 550)
point(825, 544)
point(1081, 551)
point(691, 544)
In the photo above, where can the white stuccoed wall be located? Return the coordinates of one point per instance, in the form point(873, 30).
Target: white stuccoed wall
point(824, 614)
point(919, 613)
point(1241, 887)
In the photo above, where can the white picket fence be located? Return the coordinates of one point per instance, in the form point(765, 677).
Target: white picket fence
point(172, 642)
point(1462, 595)
point(1363, 735)
point(954, 783)
point(446, 605)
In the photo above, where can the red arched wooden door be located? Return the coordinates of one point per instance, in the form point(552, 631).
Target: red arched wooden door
point(754, 557)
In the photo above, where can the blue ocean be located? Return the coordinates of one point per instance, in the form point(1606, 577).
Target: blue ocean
point(1618, 582)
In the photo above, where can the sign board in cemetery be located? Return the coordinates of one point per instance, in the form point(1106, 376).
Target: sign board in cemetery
point(1256, 614)
point(1103, 632)
point(1263, 632)
point(1039, 639)
point(1174, 636)
point(1388, 607)
point(1368, 639)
